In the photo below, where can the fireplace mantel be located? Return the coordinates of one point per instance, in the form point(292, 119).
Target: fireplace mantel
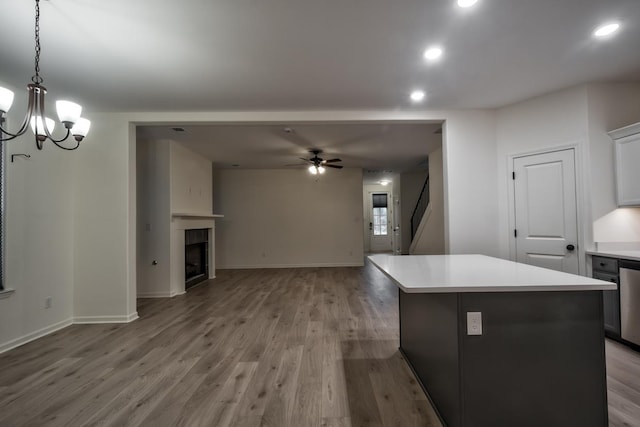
point(189, 221)
point(195, 215)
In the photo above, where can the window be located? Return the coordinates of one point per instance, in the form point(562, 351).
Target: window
point(379, 203)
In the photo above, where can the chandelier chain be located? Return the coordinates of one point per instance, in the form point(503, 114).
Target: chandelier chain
point(37, 79)
point(68, 112)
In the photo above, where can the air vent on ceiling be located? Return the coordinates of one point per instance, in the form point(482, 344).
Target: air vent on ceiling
point(177, 129)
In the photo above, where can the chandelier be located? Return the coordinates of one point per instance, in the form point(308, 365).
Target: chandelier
point(42, 126)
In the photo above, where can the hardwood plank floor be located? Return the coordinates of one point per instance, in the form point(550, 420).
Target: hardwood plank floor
point(623, 383)
point(288, 347)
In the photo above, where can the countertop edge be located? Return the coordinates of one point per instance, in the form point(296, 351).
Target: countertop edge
point(617, 254)
point(498, 288)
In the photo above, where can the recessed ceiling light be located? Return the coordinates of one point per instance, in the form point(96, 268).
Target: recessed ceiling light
point(467, 3)
point(384, 182)
point(433, 53)
point(606, 29)
point(417, 95)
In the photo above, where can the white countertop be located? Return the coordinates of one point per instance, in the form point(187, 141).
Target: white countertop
point(632, 255)
point(477, 273)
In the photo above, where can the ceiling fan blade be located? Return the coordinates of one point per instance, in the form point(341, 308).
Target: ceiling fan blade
point(296, 164)
point(334, 166)
point(306, 160)
point(331, 160)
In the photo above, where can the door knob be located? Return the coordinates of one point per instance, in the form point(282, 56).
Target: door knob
point(570, 248)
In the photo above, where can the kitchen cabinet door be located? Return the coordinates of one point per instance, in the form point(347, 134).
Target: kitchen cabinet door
point(611, 303)
point(627, 146)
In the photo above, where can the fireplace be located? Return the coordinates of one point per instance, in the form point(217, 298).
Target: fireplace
point(185, 270)
point(196, 256)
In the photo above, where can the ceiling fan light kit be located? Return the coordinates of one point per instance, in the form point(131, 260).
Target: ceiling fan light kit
point(315, 170)
point(318, 165)
point(42, 126)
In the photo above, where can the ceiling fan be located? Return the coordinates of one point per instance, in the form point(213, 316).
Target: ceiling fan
point(318, 164)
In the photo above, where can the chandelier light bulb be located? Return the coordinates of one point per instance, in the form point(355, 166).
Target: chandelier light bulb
point(68, 112)
point(81, 128)
point(313, 170)
point(38, 128)
point(6, 99)
point(321, 169)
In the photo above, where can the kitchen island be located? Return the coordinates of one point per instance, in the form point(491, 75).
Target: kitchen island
point(497, 343)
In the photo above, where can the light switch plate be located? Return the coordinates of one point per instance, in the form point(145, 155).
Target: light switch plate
point(474, 323)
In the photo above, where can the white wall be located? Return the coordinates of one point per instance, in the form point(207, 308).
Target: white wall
point(171, 179)
point(39, 236)
point(104, 223)
point(430, 238)
point(191, 185)
point(470, 176)
point(579, 117)
point(153, 218)
point(555, 120)
point(278, 218)
point(93, 231)
point(610, 106)
point(410, 188)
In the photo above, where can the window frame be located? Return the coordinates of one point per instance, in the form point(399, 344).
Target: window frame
point(380, 228)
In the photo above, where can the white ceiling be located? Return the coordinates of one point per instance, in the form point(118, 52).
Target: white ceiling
point(381, 150)
point(124, 55)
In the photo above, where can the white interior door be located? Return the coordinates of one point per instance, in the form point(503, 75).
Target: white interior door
point(546, 230)
point(380, 216)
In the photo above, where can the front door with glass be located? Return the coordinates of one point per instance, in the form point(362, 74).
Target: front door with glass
point(380, 236)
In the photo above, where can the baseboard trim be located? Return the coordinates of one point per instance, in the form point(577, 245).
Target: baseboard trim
point(84, 320)
point(34, 335)
point(311, 265)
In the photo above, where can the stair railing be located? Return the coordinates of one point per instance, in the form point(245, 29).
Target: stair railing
point(421, 207)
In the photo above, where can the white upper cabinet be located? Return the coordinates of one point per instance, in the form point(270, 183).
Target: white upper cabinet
point(627, 146)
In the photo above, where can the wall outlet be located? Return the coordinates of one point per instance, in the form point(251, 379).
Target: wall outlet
point(474, 323)
point(47, 302)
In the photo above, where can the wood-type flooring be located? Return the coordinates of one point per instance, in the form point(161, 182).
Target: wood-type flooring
point(273, 347)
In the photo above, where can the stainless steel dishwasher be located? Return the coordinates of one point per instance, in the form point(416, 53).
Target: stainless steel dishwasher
point(630, 301)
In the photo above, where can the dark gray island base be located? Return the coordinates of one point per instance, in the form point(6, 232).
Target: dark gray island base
point(539, 362)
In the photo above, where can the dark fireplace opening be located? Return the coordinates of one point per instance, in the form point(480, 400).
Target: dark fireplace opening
point(196, 256)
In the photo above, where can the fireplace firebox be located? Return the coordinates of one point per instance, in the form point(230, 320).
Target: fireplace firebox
point(196, 256)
